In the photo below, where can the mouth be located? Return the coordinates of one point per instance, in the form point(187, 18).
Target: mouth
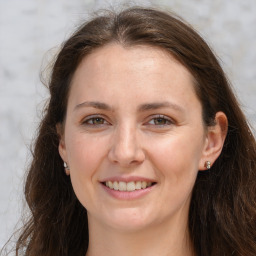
point(128, 186)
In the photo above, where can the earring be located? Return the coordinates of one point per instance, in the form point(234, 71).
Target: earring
point(66, 168)
point(208, 165)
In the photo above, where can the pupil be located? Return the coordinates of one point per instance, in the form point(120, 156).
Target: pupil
point(98, 120)
point(160, 121)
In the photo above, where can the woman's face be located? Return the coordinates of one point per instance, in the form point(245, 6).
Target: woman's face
point(134, 138)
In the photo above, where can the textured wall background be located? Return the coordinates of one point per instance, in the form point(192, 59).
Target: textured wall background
point(28, 29)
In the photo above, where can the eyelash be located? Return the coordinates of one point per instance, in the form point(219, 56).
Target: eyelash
point(90, 121)
point(167, 120)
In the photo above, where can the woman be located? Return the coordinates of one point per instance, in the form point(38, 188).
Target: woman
point(158, 157)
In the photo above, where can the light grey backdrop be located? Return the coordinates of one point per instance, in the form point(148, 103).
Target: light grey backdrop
point(29, 28)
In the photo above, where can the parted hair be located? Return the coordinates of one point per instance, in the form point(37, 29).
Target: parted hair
point(222, 215)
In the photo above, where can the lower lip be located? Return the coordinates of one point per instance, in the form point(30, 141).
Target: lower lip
point(127, 195)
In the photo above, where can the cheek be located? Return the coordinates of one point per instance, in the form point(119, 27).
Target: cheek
point(85, 152)
point(85, 155)
point(177, 157)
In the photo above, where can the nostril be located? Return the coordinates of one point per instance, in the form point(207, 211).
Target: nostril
point(125, 149)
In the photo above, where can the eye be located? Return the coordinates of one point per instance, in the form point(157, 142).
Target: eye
point(95, 121)
point(160, 120)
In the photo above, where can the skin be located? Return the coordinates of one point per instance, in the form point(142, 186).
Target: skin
point(132, 135)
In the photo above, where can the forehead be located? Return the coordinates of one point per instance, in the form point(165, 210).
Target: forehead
point(142, 58)
point(124, 71)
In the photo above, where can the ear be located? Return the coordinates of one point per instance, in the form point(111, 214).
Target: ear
point(62, 145)
point(215, 137)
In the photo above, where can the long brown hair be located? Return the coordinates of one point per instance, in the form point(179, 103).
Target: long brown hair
point(222, 217)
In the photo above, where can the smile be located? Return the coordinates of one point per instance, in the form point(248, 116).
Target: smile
point(128, 186)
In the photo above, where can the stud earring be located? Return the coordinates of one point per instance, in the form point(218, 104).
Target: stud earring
point(208, 165)
point(66, 168)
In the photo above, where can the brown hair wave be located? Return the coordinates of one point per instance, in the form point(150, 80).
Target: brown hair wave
point(222, 217)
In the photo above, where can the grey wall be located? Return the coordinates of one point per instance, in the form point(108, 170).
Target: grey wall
point(29, 28)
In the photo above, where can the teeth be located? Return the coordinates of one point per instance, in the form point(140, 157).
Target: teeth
point(143, 184)
point(122, 186)
point(109, 184)
point(138, 185)
point(115, 185)
point(128, 186)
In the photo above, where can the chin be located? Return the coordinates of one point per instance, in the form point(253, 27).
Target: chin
point(129, 220)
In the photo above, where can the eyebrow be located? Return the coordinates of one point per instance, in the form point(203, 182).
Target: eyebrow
point(93, 104)
point(141, 108)
point(158, 105)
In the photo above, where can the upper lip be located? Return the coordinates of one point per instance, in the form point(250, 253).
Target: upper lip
point(127, 179)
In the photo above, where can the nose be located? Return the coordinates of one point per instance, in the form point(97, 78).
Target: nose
point(125, 148)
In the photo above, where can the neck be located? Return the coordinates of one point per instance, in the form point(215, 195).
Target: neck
point(163, 239)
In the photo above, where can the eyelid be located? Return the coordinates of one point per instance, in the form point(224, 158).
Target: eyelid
point(85, 120)
point(169, 120)
point(160, 116)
